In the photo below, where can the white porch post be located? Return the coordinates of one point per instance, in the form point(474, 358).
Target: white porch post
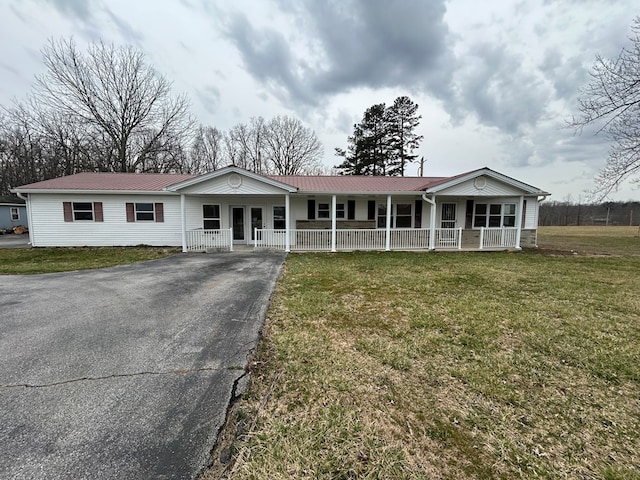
point(432, 224)
point(183, 221)
point(387, 233)
point(519, 222)
point(333, 223)
point(287, 226)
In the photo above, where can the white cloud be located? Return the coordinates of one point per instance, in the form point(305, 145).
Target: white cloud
point(495, 81)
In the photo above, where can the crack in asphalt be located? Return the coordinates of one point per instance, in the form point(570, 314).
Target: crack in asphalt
point(122, 375)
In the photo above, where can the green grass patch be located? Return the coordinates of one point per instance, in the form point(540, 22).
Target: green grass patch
point(50, 260)
point(416, 366)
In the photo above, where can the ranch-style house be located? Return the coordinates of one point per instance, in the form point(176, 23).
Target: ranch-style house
point(477, 210)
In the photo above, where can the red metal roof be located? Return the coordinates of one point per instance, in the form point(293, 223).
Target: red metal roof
point(110, 181)
point(353, 183)
point(158, 181)
point(103, 181)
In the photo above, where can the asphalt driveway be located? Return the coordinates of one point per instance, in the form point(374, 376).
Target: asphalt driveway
point(14, 241)
point(126, 372)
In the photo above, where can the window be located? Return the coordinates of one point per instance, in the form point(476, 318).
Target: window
point(494, 215)
point(324, 211)
point(382, 215)
point(144, 212)
point(15, 214)
point(211, 217)
point(401, 219)
point(279, 215)
point(403, 215)
point(82, 211)
point(509, 215)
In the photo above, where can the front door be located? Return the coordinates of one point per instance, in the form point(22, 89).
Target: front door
point(448, 219)
point(237, 223)
point(244, 226)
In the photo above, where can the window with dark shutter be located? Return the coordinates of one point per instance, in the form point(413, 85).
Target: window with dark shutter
point(311, 209)
point(351, 209)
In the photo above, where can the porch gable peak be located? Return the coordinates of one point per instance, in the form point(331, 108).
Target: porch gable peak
point(231, 180)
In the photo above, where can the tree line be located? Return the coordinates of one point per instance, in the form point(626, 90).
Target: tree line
point(567, 212)
point(108, 110)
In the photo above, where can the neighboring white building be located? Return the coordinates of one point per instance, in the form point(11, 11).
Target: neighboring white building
point(481, 209)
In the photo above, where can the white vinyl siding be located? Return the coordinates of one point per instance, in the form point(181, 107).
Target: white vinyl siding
point(48, 228)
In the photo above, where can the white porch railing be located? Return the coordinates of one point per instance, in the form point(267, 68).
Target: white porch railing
point(498, 237)
point(408, 239)
point(201, 240)
point(448, 238)
point(360, 239)
point(346, 239)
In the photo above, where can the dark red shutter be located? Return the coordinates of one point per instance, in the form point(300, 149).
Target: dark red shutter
point(68, 212)
point(131, 214)
point(97, 211)
point(524, 214)
point(159, 209)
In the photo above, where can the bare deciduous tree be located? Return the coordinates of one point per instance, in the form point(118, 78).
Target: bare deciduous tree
point(206, 153)
point(245, 145)
point(112, 94)
point(611, 102)
point(290, 147)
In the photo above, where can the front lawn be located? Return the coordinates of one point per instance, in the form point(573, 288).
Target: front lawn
point(421, 365)
point(49, 260)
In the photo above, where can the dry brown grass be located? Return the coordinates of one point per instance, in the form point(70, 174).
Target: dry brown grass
point(596, 240)
point(416, 366)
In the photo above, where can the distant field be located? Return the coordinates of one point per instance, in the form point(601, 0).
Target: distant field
point(591, 240)
point(461, 365)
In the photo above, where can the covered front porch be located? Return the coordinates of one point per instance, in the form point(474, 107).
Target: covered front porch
point(234, 207)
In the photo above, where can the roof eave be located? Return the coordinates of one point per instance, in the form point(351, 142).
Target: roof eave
point(361, 192)
point(91, 192)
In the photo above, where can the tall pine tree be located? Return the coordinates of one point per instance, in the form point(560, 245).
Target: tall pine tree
point(402, 120)
point(384, 141)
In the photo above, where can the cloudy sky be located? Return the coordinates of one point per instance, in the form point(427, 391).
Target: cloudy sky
point(495, 81)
